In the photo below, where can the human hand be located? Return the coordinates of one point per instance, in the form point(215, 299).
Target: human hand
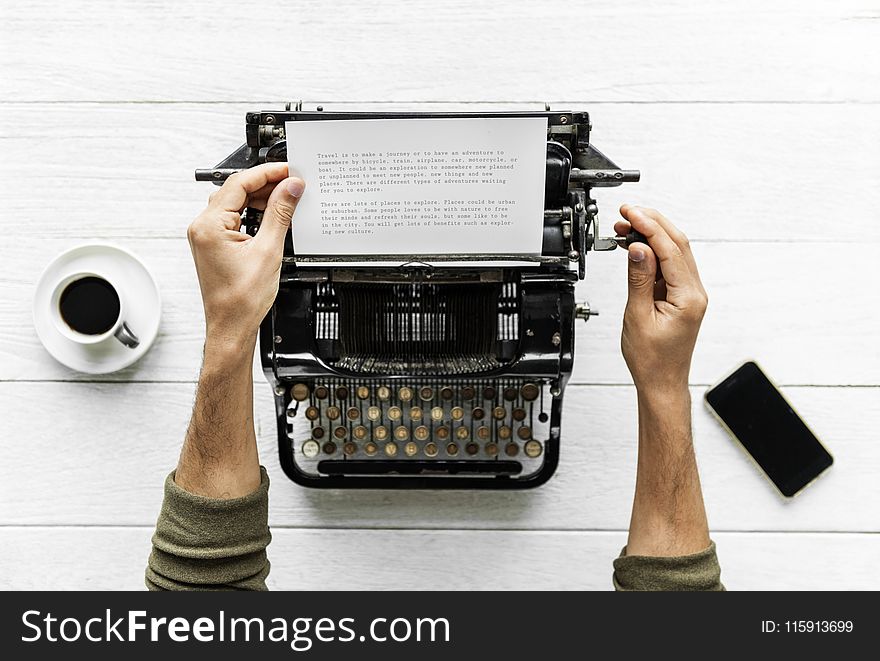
point(666, 303)
point(238, 274)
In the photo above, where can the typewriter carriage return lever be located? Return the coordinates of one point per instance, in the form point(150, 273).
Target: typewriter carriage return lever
point(425, 375)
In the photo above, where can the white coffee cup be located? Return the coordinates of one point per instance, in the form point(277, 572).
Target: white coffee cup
point(87, 308)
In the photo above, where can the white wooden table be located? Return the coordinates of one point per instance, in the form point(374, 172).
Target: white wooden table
point(755, 125)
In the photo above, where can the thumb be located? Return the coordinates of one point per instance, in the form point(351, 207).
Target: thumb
point(279, 211)
point(641, 276)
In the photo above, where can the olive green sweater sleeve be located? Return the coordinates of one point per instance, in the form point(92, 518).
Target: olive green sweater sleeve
point(209, 544)
point(698, 571)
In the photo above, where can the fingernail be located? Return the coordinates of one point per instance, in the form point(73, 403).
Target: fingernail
point(296, 187)
point(635, 255)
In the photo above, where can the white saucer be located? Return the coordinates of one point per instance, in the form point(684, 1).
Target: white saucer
point(136, 287)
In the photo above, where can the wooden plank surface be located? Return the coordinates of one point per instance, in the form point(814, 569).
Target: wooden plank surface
point(643, 50)
point(114, 558)
point(725, 172)
point(62, 468)
point(807, 311)
point(755, 126)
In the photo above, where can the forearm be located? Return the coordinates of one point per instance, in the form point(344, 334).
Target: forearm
point(668, 515)
point(219, 457)
point(213, 529)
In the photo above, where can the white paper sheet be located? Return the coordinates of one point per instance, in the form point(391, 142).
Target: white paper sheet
point(419, 186)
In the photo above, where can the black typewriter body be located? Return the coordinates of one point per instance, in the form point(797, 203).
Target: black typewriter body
point(429, 376)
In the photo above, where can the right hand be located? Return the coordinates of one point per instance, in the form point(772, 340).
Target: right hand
point(665, 305)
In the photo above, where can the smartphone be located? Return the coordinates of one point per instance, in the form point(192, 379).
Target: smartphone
point(755, 414)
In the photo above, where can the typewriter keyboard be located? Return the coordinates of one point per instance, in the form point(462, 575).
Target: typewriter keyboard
point(425, 420)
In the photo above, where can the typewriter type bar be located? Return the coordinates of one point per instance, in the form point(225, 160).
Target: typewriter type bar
point(402, 371)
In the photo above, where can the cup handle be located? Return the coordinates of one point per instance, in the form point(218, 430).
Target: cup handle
point(125, 335)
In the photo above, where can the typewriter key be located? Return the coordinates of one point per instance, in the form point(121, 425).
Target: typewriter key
point(504, 432)
point(426, 394)
point(310, 449)
point(312, 413)
point(468, 393)
point(543, 417)
point(421, 433)
point(391, 449)
point(380, 433)
point(499, 412)
point(291, 413)
point(300, 392)
point(363, 392)
point(353, 413)
point(405, 394)
point(360, 432)
point(437, 413)
point(401, 433)
point(525, 433)
point(431, 450)
point(340, 432)
point(349, 449)
point(442, 433)
point(342, 392)
point(318, 432)
point(533, 449)
point(511, 449)
point(410, 449)
point(394, 413)
point(489, 392)
point(492, 449)
point(478, 413)
point(483, 432)
point(462, 433)
point(472, 448)
point(321, 392)
point(452, 449)
point(510, 394)
point(415, 413)
point(329, 447)
point(374, 413)
point(457, 413)
point(519, 415)
point(446, 393)
point(333, 412)
point(383, 393)
point(530, 392)
point(370, 448)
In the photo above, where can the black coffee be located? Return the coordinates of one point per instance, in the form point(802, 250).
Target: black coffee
point(89, 305)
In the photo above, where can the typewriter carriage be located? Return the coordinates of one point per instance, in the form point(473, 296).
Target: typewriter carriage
point(499, 341)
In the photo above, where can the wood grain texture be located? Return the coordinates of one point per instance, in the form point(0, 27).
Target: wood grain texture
point(114, 559)
point(755, 126)
point(97, 454)
point(724, 172)
point(421, 50)
point(782, 305)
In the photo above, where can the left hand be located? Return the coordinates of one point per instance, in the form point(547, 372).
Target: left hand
point(238, 274)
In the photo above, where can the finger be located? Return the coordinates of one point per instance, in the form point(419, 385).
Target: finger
point(622, 227)
point(233, 194)
point(231, 220)
point(671, 259)
point(676, 235)
point(279, 213)
point(641, 274)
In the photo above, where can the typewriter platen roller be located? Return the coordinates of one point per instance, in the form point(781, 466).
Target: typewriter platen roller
point(421, 376)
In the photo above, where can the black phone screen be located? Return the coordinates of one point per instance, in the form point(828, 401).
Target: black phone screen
point(769, 429)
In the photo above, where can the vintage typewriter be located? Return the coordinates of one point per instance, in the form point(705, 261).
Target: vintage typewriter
point(418, 376)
